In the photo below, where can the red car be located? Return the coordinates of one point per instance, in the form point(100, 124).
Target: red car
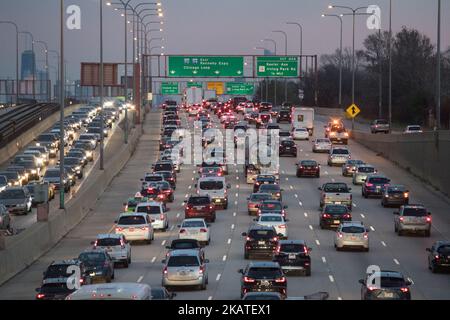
point(166, 193)
point(200, 207)
point(308, 168)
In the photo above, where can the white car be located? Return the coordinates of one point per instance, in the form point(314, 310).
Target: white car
point(274, 220)
point(413, 129)
point(116, 245)
point(196, 229)
point(338, 156)
point(322, 145)
point(157, 212)
point(135, 227)
point(300, 134)
point(361, 173)
point(352, 235)
point(112, 291)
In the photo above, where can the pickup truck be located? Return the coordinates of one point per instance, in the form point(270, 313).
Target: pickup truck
point(336, 193)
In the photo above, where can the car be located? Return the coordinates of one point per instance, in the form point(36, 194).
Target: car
point(255, 200)
point(3, 183)
point(79, 154)
point(113, 291)
point(186, 244)
point(55, 289)
point(185, 268)
point(200, 207)
point(196, 229)
point(165, 191)
point(308, 168)
point(131, 204)
point(260, 241)
point(300, 134)
point(151, 177)
point(374, 186)
point(170, 177)
point(263, 119)
point(163, 166)
point(263, 179)
point(161, 293)
point(211, 172)
point(88, 155)
point(116, 246)
point(33, 186)
point(273, 189)
point(5, 218)
point(284, 115)
point(413, 218)
point(99, 265)
point(392, 285)
point(50, 141)
point(263, 277)
point(380, 125)
point(135, 227)
point(157, 211)
point(349, 167)
point(75, 164)
point(338, 156)
point(333, 215)
point(14, 178)
point(338, 134)
point(439, 256)
point(288, 147)
point(285, 135)
point(413, 129)
point(216, 188)
point(336, 193)
point(273, 207)
point(262, 296)
point(293, 256)
point(17, 200)
point(395, 195)
point(52, 176)
point(322, 145)
point(352, 235)
point(362, 172)
point(279, 222)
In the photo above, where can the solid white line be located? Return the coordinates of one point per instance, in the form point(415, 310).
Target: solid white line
point(311, 227)
point(383, 243)
point(182, 204)
point(331, 278)
point(301, 150)
point(339, 298)
point(363, 216)
point(193, 172)
point(192, 179)
point(396, 261)
point(232, 226)
point(324, 260)
point(282, 172)
point(224, 258)
point(163, 243)
point(318, 242)
point(229, 241)
point(218, 277)
point(372, 228)
point(140, 279)
point(154, 259)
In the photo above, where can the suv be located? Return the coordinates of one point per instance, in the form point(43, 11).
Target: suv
point(255, 200)
point(116, 246)
point(350, 166)
point(157, 212)
point(293, 256)
point(439, 256)
point(216, 188)
point(395, 195)
point(380, 125)
point(200, 207)
point(261, 241)
point(284, 115)
point(263, 277)
point(333, 215)
point(374, 185)
point(186, 244)
point(352, 235)
point(288, 147)
point(393, 286)
point(412, 218)
point(338, 156)
point(263, 179)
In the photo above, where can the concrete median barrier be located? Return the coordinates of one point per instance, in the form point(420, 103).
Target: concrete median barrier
point(426, 155)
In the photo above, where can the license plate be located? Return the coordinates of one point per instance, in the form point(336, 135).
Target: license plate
point(198, 208)
point(389, 295)
point(265, 283)
point(353, 238)
point(288, 148)
point(217, 201)
point(336, 222)
point(131, 229)
point(292, 256)
point(261, 243)
point(338, 202)
point(193, 232)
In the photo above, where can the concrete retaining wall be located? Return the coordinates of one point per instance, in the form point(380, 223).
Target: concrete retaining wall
point(25, 138)
point(425, 155)
point(25, 248)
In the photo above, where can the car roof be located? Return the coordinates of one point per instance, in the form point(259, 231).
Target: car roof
point(211, 179)
point(194, 219)
point(352, 223)
point(65, 262)
point(128, 214)
point(150, 203)
point(390, 274)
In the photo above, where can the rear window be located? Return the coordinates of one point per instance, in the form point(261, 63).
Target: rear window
point(353, 229)
point(366, 170)
point(260, 197)
point(336, 209)
point(269, 187)
point(211, 185)
point(57, 271)
point(309, 163)
point(55, 288)
point(149, 209)
point(193, 224)
point(396, 190)
point(288, 143)
point(284, 134)
point(92, 256)
point(262, 273)
point(153, 178)
point(163, 167)
point(323, 141)
point(341, 151)
point(271, 219)
point(415, 212)
point(131, 220)
point(379, 180)
point(337, 187)
point(292, 248)
point(392, 282)
point(108, 242)
point(381, 122)
point(196, 201)
point(183, 261)
point(184, 245)
point(271, 206)
point(262, 234)
point(12, 194)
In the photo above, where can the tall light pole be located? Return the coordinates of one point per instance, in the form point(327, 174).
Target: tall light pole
point(17, 57)
point(150, 64)
point(46, 66)
point(61, 109)
point(285, 53)
point(301, 41)
point(340, 55)
point(58, 59)
point(102, 84)
point(34, 61)
point(390, 64)
point(438, 71)
point(267, 79)
point(276, 82)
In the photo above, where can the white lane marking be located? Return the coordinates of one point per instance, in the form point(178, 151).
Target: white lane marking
point(163, 243)
point(171, 228)
point(292, 188)
point(282, 171)
point(238, 186)
point(300, 203)
point(339, 298)
point(193, 172)
point(154, 259)
point(224, 258)
point(140, 279)
point(301, 150)
point(190, 187)
point(324, 260)
point(232, 226)
point(363, 216)
point(237, 178)
point(237, 195)
point(178, 215)
point(192, 179)
point(326, 172)
point(306, 214)
point(318, 242)
point(229, 241)
point(396, 262)
point(333, 180)
point(237, 171)
point(354, 205)
point(307, 154)
point(186, 196)
point(311, 227)
point(235, 203)
point(218, 277)
point(331, 278)
point(182, 204)
point(372, 228)
point(234, 214)
point(383, 243)
point(210, 298)
point(296, 195)
point(287, 179)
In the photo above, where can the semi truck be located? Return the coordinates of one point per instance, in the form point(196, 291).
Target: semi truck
point(303, 118)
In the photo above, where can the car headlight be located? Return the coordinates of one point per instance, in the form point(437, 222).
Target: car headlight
point(17, 183)
point(10, 184)
point(38, 144)
point(22, 205)
point(78, 168)
point(89, 154)
point(33, 171)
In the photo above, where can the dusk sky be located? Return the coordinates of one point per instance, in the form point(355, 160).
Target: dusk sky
point(207, 27)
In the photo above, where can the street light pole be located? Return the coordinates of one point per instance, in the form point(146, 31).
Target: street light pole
point(275, 86)
point(61, 101)
point(301, 42)
point(285, 53)
point(46, 67)
point(267, 79)
point(17, 57)
point(58, 63)
point(438, 71)
point(102, 80)
point(390, 63)
point(34, 61)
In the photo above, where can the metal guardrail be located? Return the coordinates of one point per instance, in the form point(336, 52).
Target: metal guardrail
point(22, 118)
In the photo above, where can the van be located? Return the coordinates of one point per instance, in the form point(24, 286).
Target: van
point(112, 291)
point(157, 212)
point(216, 188)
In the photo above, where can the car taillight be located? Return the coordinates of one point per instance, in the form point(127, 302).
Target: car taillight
point(95, 244)
point(202, 269)
point(283, 226)
point(161, 196)
point(366, 236)
point(165, 270)
point(280, 280)
point(340, 235)
point(369, 185)
point(437, 257)
point(347, 216)
point(249, 280)
point(404, 290)
point(326, 216)
point(40, 296)
point(183, 231)
point(275, 239)
point(402, 219)
point(211, 207)
point(278, 194)
point(161, 217)
point(278, 250)
point(203, 230)
point(122, 244)
point(145, 228)
point(428, 219)
point(406, 194)
point(371, 288)
point(248, 239)
point(119, 229)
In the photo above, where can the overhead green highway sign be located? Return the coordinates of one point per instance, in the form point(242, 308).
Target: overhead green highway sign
point(277, 66)
point(240, 89)
point(168, 88)
point(205, 66)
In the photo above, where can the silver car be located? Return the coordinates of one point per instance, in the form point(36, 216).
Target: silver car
point(362, 172)
point(352, 235)
point(17, 200)
point(5, 219)
point(412, 218)
point(116, 245)
point(185, 268)
point(322, 145)
point(338, 156)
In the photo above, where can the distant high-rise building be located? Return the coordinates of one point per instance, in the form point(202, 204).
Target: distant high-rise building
point(28, 63)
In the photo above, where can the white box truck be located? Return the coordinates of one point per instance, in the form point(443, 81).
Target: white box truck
point(303, 118)
point(193, 96)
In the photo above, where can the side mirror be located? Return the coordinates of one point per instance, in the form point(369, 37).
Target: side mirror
point(429, 213)
point(195, 185)
point(115, 221)
point(255, 220)
point(363, 180)
point(244, 234)
point(241, 271)
point(142, 180)
point(281, 235)
point(163, 261)
point(319, 188)
point(228, 186)
point(248, 199)
point(349, 189)
point(396, 213)
point(362, 281)
point(408, 282)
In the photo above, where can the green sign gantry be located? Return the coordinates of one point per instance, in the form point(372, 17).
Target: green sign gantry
point(168, 88)
point(204, 66)
point(277, 66)
point(194, 84)
point(240, 89)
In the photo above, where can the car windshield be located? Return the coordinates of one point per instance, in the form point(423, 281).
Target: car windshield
point(288, 143)
point(211, 185)
point(271, 206)
point(108, 242)
point(56, 271)
point(12, 194)
point(337, 187)
point(149, 209)
point(184, 245)
point(153, 178)
point(199, 201)
point(378, 180)
point(3, 180)
point(92, 257)
point(163, 167)
point(415, 128)
point(131, 220)
point(265, 218)
point(292, 248)
point(264, 273)
point(381, 122)
point(396, 190)
point(262, 234)
point(341, 151)
point(415, 212)
point(183, 261)
point(336, 210)
point(366, 169)
point(71, 161)
point(353, 229)
point(193, 224)
point(269, 188)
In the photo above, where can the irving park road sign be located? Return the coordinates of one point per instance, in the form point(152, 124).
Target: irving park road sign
point(277, 67)
point(169, 88)
point(204, 66)
point(353, 111)
point(240, 89)
point(194, 84)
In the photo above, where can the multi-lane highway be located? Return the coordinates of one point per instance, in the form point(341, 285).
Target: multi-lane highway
point(334, 272)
